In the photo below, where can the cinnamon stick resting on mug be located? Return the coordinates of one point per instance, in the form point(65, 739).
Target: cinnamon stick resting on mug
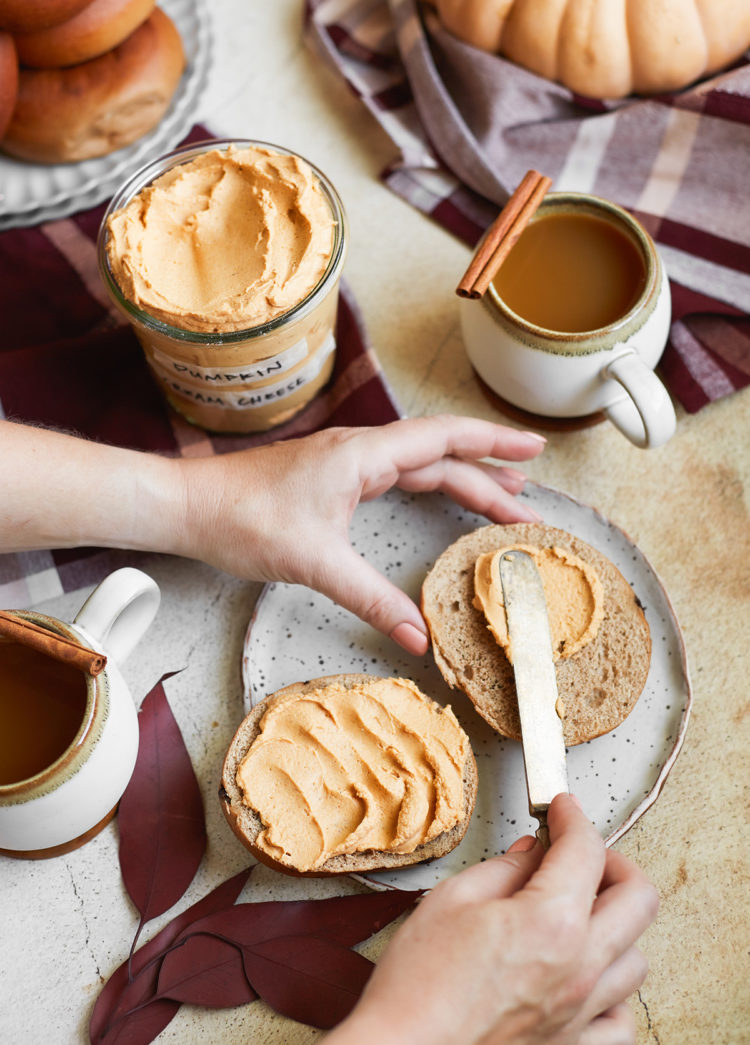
point(53, 645)
point(502, 234)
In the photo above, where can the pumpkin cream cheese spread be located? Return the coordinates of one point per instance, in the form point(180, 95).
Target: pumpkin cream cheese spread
point(572, 589)
point(227, 241)
point(349, 770)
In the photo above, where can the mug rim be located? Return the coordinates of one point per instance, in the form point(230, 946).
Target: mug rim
point(618, 216)
point(71, 759)
point(148, 173)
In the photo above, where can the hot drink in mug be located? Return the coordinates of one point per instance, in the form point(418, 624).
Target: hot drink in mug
point(68, 738)
point(576, 319)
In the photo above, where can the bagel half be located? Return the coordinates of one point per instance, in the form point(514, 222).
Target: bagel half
point(247, 823)
point(598, 686)
point(100, 26)
point(8, 80)
point(92, 109)
point(26, 16)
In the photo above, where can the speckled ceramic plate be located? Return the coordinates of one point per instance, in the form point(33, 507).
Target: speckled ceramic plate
point(31, 193)
point(298, 634)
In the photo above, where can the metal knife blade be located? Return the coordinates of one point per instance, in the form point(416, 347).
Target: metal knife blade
point(536, 684)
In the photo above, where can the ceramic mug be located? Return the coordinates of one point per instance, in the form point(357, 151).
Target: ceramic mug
point(72, 799)
point(579, 375)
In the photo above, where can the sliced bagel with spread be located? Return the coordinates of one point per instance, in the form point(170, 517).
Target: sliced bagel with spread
point(601, 638)
point(349, 774)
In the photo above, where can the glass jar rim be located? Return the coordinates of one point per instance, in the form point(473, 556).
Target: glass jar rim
point(146, 174)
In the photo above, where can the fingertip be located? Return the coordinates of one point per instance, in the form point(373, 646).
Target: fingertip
point(511, 479)
point(566, 811)
point(536, 438)
point(411, 638)
point(525, 513)
point(566, 797)
point(523, 845)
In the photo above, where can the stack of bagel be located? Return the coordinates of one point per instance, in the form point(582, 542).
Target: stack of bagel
point(82, 78)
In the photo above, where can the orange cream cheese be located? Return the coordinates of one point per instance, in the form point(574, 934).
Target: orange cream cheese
point(349, 770)
point(572, 589)
point(227, 241)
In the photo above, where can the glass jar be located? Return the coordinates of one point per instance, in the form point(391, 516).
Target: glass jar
point(247, 380)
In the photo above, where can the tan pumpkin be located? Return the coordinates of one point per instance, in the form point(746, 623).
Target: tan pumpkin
point(607, 48)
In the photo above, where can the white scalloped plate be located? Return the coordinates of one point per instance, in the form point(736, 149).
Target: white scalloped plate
point(298, 634)
point(31, 193)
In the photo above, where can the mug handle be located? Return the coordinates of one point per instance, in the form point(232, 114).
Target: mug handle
point(646, 415)
point(117, 612)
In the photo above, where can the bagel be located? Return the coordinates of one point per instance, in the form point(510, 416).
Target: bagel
point(92, 109)
point(26, 16)
point(598, 686)
point(99, 27)
point(8, 80)
point(398, 770)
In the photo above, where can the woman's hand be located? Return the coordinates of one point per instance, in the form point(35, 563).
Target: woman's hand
point(279, 512)
point(530, 948)
point(282, 512)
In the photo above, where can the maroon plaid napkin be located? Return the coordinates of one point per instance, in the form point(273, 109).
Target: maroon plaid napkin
point(468, 125)
point(67, 361)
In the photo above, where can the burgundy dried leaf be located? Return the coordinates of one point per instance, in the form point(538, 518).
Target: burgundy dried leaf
point(141, 1026)
point(120, 994)
point(162, 826)
point(205, 970)
point(343, 919)
point(308, 978)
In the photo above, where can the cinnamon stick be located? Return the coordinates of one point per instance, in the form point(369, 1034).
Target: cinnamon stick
point(502, 234)
point(26, 633)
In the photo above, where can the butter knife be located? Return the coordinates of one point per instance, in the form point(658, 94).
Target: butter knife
point(536, 684)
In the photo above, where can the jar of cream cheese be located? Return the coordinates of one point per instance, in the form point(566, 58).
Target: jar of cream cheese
point(226, 256)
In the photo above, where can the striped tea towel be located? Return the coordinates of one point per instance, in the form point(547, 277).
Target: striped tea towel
point(467, 126)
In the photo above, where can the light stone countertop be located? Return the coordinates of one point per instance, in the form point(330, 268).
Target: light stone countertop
point(67, 923)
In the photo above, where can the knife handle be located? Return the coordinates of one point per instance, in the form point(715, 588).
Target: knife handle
point(542, 832)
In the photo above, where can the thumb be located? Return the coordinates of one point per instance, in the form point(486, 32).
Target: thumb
point(493, 879)
point(356, 585)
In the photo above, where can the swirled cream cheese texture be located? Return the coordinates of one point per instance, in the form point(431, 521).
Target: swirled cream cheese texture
point(572, 589)
point(227, 241)
point(345, 770)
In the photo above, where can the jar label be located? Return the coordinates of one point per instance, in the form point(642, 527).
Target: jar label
point(252, 398)
point(226, 376)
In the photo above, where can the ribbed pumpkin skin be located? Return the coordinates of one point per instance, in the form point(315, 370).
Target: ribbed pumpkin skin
point(607, 48)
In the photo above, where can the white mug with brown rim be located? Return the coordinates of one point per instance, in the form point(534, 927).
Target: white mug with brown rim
point(589, 373)
point(67, 791)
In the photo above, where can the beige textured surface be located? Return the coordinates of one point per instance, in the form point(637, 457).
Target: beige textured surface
point(685, 505)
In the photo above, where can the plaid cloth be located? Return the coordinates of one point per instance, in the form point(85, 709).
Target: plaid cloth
point(68, 361)
point(468, 125)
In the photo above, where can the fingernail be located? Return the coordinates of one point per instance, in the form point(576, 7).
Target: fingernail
point(523, 845)
point(527, 514)
point(410, 637)
point(535, 435)
point(576, 800)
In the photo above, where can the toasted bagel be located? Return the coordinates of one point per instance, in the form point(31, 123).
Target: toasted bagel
point(598, 686)
point(8, 80)
point(98, 28)
point(26, 16)
point(92, 109)
point(246, 821)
